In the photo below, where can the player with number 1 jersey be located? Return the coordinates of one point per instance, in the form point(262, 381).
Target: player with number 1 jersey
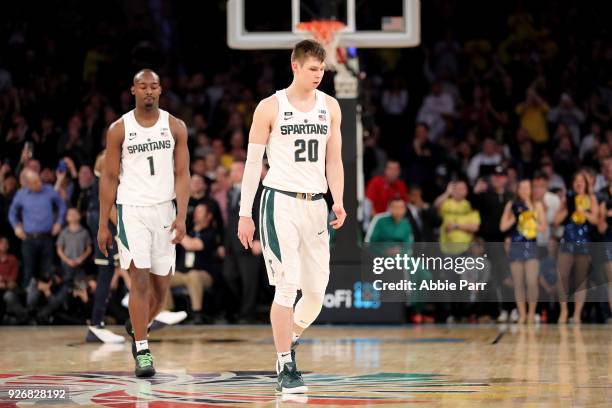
point(147, 167)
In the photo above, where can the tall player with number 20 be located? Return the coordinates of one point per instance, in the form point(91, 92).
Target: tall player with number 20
point(299, 129)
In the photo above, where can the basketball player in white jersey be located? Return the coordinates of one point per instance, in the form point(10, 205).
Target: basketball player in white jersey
point(299, 128)
point(147, 167)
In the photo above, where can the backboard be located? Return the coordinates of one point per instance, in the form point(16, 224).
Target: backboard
point(261, 24)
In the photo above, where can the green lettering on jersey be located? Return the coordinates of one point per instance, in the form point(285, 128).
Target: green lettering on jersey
point(309, 129)
point(150, 146)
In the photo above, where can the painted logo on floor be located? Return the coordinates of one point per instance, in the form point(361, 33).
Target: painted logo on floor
point(123, 390)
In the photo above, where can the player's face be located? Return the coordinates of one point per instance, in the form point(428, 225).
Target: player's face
point(310, 72)
point(147, 90)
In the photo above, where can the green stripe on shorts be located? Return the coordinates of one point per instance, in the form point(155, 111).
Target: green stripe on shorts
point(272, 237)
point(121, 228)
point(261, 218)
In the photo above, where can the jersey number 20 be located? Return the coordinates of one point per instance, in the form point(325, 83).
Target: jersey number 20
point(313, 150)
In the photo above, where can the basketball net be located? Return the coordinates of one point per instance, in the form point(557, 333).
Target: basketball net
point(324, 31)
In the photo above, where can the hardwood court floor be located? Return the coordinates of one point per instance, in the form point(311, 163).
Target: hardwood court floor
point(429, 366)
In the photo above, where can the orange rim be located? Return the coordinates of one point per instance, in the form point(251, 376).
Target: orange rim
point(322, 30)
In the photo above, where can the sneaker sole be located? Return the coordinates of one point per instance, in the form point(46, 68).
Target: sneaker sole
point(95, 335)
point(145, 374)
point(295, 390)
point(92, 338)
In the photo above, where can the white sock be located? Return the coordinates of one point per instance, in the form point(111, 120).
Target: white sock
point(295, 337)
point(142, 345)
point(284, 358)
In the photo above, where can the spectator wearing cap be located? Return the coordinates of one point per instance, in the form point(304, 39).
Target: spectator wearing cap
point(381, 189)
point(490, 198)
point(484, 162)
point(36, 215)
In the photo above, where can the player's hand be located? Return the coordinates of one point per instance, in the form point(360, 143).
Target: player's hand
point(246, 229)
point(104, 239)
point(338, 210)
point(180, 229)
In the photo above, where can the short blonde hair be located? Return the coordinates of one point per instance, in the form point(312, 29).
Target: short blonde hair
point(308, 48)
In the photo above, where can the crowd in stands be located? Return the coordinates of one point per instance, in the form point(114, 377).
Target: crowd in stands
point(474, 138)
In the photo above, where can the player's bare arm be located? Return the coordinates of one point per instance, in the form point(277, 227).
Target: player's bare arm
point(109, 180)
point(333, 164)
point(181, 177)
point(263, 119)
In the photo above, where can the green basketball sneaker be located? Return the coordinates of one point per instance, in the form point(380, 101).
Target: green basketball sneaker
point(290, 380)
point(144, 364)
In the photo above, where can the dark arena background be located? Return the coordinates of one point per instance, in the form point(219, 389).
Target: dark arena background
point(475, 264)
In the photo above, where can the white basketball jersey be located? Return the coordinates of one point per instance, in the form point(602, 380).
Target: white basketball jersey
point(147, 162)
point(296, 147)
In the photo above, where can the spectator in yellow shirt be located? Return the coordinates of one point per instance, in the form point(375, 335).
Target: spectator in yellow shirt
point(459, 220)
point(532, 114)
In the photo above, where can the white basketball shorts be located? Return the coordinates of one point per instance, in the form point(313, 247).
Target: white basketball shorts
point(295, 240)
point(143, 236)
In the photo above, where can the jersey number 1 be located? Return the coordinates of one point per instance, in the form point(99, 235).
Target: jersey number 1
point(151, 166)
point(313, 150)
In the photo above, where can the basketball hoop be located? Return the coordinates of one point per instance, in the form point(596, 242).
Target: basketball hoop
point(324, 31)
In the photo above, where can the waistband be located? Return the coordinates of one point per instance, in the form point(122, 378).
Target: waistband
point(33, 235)
point(300, 196)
